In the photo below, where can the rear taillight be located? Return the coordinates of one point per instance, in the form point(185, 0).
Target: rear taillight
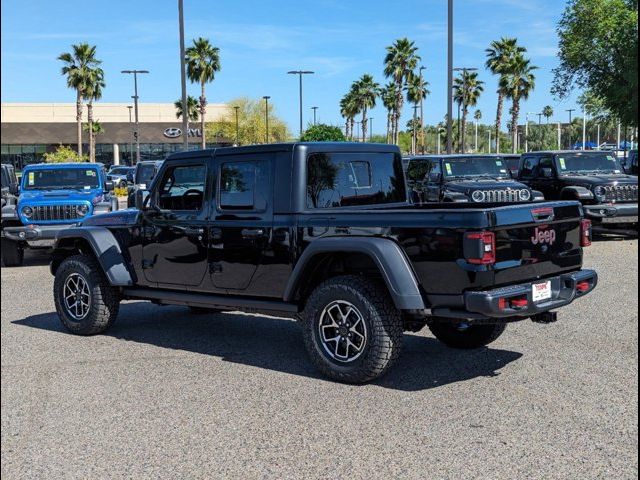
point(480, 248)
point(585, 233)
point(583, 286)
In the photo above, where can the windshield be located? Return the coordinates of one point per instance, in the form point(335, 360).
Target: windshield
point(119, 171)
point(585, 163)
point(491, 167)
point(145, 173)
point(61, 178)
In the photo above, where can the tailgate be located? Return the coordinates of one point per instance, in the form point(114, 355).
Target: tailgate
point(536, 241)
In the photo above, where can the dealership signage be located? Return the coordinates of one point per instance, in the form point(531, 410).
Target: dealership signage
point(175, 132)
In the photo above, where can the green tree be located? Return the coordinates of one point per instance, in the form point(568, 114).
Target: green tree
point(388, 96)
point(321, 176)
point(520, 83)
point(417, 91)
point(251, 124)
point(193, 108)
point(64, 154)
point(321, 132)
point(467, 89)
point(547, 112)
point(366, 91)
point(78, 68)
point(203, 61)
point(349, 108)
point(399, 63)
point(93, 91)
point(599, 52)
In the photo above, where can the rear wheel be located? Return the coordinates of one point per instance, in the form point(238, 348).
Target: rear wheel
point(12, 253)
point(85, 301)
point(467, 337)
point(351, 329)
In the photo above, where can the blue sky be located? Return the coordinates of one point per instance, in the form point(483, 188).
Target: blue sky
point(261, 40)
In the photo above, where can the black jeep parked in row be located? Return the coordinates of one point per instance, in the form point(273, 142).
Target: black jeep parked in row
point(595, 178)
point(323, 232)
point(465, 179)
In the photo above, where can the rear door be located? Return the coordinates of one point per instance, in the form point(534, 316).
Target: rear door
point(241, 219)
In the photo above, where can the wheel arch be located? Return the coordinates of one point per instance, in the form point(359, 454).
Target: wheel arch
point(382, 254)
point(576, 192)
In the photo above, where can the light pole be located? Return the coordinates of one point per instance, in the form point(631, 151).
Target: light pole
point(489, 147)
point(370, 129)
point(570, 110)
point(300, 73)
point(526, 131)
point(414, 145)
point(183, 80)
point(315, 110)
point(236, 108)
point(559, 136)
point(135, 107)
point(421, 111)
point(464, 71)
point(584, 127)
point(449, 77)
point(358, 131)
point(130, 108)
point(266, 115)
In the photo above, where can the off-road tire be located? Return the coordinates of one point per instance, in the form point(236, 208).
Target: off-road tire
point(12, 253)
point(383, 322)
point(475, 336)
point(105, 299)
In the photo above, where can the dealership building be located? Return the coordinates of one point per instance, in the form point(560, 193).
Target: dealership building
point(29, 130)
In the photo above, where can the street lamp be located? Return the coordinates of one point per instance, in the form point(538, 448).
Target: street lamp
point(183, 80)
point(526, 130)
point(449, 77)
point(236, 108)
point(464, 71)
point(370, 129)
point(135, 103)
point(300, 73)
point(266, 115)
point(315, 110)
point(570, 110)
point(130, 108)
point(414, 139)
point(421, 110)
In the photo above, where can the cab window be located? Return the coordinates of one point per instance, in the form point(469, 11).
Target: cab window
point(182, 188)
point(529, 167)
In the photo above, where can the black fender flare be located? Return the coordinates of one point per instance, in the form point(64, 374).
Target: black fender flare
point(577, 193)
point(105, 248)
point(390, 259)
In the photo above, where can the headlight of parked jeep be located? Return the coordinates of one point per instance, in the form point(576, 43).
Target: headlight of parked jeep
point(27, 212)
point(477, 196)
point(525, 195)
point(82, 210)
point(600, 192)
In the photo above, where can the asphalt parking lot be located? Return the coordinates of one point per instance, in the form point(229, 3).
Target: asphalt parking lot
point(167, 394)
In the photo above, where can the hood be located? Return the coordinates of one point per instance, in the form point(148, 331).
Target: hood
point(467, 186)
point(54, 196)
point(118, 218)
point(601, 179)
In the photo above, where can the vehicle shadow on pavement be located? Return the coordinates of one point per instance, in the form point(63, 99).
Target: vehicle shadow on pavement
point(276, 344)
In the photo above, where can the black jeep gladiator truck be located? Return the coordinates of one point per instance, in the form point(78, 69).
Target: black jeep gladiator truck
point(465, 179)
point(323, 232)
point(595, 178)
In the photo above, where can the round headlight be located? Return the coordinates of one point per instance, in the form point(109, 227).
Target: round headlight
point(82, 210)
point(27, 212)
point(525, 195)
point(600, 191)
point(477, 196)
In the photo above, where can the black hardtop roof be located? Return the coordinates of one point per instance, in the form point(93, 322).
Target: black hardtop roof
point(327, 147)
point(559, 152)
point(435, 156)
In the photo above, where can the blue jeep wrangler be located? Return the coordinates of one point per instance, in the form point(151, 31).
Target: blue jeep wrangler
point(53, 196)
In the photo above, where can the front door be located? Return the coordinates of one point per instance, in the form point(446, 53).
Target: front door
point(547, 185)
point(241, 223)
point(175, 226)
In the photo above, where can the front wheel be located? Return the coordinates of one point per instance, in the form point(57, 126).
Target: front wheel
point(467, 336)
point(85, 301)
point(351, 329)
point(12, 253)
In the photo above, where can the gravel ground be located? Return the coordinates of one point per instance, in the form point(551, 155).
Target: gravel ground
point(167, 394)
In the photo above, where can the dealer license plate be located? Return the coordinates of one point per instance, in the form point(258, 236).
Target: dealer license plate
point(541, 291)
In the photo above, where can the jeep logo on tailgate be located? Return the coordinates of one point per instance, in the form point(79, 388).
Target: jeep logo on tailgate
point(543, 234)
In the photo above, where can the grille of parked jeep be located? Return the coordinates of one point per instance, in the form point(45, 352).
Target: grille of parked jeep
point(505, 196)
point(55, 212)
point(621, 193)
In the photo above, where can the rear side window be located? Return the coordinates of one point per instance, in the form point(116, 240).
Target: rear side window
point(529, 167)
point(351, 179)
point(418, 170)
point(237, 185)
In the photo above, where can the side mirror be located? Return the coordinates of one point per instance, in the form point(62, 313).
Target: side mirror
point(108, 185)
point(435, 177)
point(547, 173)
point(141, 198)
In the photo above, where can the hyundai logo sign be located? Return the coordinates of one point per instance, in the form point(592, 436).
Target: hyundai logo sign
point(172, 132)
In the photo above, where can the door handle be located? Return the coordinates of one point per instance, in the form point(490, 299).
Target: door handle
point(252, 233)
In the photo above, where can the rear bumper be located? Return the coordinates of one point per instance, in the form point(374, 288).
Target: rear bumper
point(612, 214)
point(479, 305)
point(28, 233)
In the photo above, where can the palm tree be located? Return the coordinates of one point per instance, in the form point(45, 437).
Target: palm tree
point(416, 92)
point(192, 108)
point(466, 91)
point(366, 91)
point(93, 128)
point(203, 61)
point(399, 63)
point(349, 108)
point(500, 55)
point(78, 66)
point(93, 91)
point(521, 82)
point(547, 112)
point(388, 96)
